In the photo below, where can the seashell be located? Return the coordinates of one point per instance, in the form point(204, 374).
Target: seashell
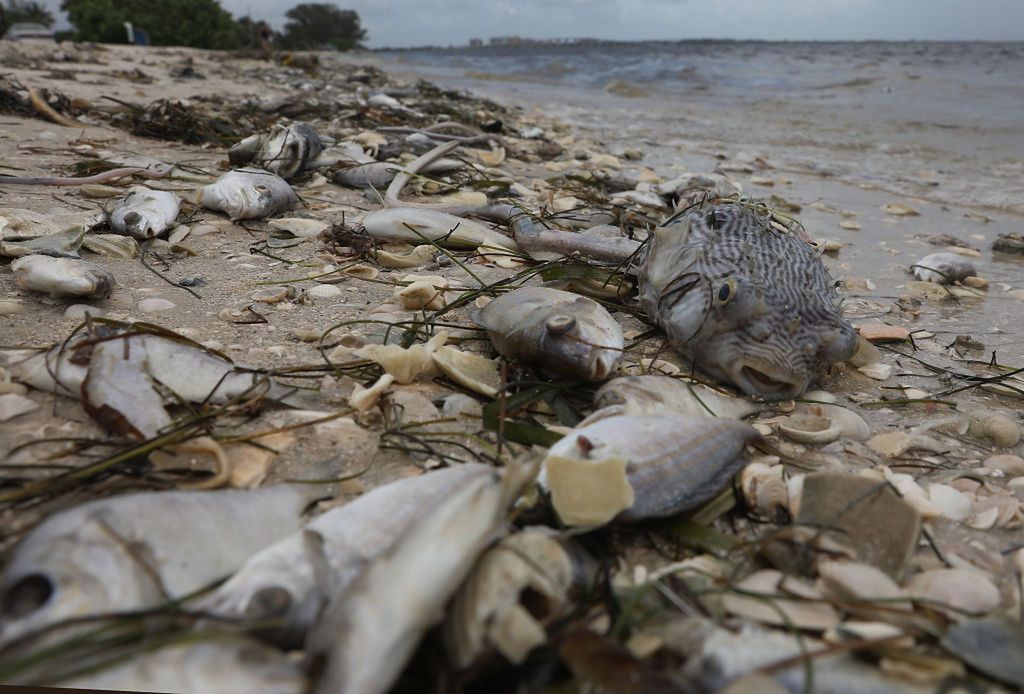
point(975, 282)
point(899, 210)
point(992, 645)
point(809, 428)
point(492, 157)
point(1011, 387)
point(466, 198)
point(14, 405)
point(864, 354)
point(363, 272)
point(953, 591)
point(1000, 429)
point(426, 292)
point(471, 371)
point(248, 194)
point(406, 364)
point(661, 395)
point(852, 582)
point(801, 614)
point(112, 245)
point(851, 424)
point(943, 268)
point(765, 492)
point(420, 255)
point(634, 467)
point(516, 589)
point(62, 278)
point(299, 226)
point(20, 224)
point(1012, 465)
point(950, 502)
point(877, 371)
point(274, 295)
point(849, 225)
point(363, 398)
point(418, 225)
point(145, 213)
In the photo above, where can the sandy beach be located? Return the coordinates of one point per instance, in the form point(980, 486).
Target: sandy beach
point(877, 185)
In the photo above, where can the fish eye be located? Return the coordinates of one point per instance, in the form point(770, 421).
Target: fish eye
point(560, 325)
point(261, 189)
point(727, 291)
point(27, 595)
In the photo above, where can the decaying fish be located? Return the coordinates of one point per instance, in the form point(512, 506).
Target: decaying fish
point(114, 372)
point(62, 278)
point(138, 550)
point(145, 213)
point(369, 631)
point(943, 268)
point(227, 665)
point(248, 193)
point(519, 587)
point(419, 226)
point(563, 334)
point(745, 298)
point(633, 467)
point(284, 150)
point(281, 583)
point(662, 395)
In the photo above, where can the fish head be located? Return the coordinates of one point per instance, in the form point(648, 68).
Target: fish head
point(84, 571)
point(287, 149)
point(577, 348)
point(137, 225)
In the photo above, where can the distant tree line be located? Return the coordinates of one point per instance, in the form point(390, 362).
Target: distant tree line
point(205, 24)
point(22, 11)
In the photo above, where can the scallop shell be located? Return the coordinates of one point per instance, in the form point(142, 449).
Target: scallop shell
point(478, 374)
point(764, 491)
point(808, 428)
point(112, 245)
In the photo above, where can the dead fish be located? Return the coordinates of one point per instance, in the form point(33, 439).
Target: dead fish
point(629, 468)
point(62, 278)
point(138, 550)
point(419, 225)
point(943, 268)
point(227, 665)
point(637, 395)
point(284, 150)
point(745, 298)
point(563, 334)
point(114, 371)
point(145, 213)
point(248, 193)
point(280, 583)
point(369, 632)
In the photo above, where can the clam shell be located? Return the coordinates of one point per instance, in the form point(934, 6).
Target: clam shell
point(955, 590)
point(471, 371)
point(802, 612)
point(808, 428)
point(112, 245)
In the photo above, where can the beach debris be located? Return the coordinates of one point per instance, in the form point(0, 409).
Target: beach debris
point(423, 293)
point(810, 428)
point(284, 150)
point(61, 244)
point(991, 644)
point(112, 245)
point(851, 425)
point(628, 468)
point(126, 552)
point(864, 515)
point(764, 491)
point(563, 334)
point(1011, 244)
point(954, 591)
point(299, 226)
point(369, 631)
point(145, 213)
point(898, 209)
point(14, 405)
point(880, 332)
point(717, 323)
point(786, 601)
point(472, 371)
point(998, 428)
point(288, 583)
point(223, 663)
point(636, 395)
point(62, 278)
point(420, 226)
point(406, 364)
point(248, 194)
point(943, 268)
point(416, 257)
point(364, 398)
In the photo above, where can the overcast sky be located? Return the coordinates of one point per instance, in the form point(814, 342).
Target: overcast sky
point(420, 22)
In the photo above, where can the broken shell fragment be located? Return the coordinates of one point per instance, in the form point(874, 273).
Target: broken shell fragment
point(851, 425)
point(299, 226)
point(765, 491)
point(478, 374)
point(954, 591)
point(634, 467)
point(781, 600)
point(809, 428)
point(62, 278)
point(406, 364)
point(418, 256)
point(363, 398)
point(424, 293)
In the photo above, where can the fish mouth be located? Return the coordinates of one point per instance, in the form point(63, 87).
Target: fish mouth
point(773, 385)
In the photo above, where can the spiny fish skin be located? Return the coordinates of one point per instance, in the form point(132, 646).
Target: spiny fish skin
point(747, 302)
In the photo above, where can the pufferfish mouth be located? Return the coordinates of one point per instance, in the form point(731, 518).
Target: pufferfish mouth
point(770, 384)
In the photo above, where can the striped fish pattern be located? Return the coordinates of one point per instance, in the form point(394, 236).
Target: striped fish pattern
point(745, 298)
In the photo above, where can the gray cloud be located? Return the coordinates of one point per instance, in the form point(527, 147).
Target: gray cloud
point(443, 22)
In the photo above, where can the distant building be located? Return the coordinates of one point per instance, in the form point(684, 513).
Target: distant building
point(476, 43)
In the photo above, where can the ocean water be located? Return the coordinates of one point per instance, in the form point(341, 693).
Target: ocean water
point(942, 121)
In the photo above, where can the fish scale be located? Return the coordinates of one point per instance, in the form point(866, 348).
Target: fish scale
point(778, 326)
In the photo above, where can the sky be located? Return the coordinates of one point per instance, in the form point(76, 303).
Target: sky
point(398, 23)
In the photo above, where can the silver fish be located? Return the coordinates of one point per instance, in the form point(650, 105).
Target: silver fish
point(145, 213)
point(943, 268)
point(281, 583)
point(647, 466)
point(369, 632)
point(745, 298)
point(285, 150)
point(62, 278)
point(563, 334)
point(248, 193)
point(664, 395)
point(138, 550)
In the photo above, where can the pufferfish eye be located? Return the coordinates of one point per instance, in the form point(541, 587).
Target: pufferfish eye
point(726, 292)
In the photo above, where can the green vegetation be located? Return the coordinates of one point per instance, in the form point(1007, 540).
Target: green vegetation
point(20, 11)
point(198, 23)
point(321, 25)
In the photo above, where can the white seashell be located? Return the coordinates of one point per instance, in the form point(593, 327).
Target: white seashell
point(764, 491)
point(405, 364)
point(959, 589)
point(1000, 429)
point(363, 398)
point(62, 277)
point(425, 292)
point(145, 213)
point(393, 224)
point(478, 374)
point(802, 614)
point(808, 428)
point(112, 245)
point(420, 255)
point(951, 503)
point(299, 226)
point(877, 371)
